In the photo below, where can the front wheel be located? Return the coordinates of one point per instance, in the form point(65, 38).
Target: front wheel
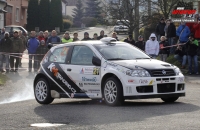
point(113, 92)
point(42, 92)
point(170, 99)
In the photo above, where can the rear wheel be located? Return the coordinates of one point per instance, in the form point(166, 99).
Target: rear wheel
point(113, 92)
point(170, 99)
point(42, 92)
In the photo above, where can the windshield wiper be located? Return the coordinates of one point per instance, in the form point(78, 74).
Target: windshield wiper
point(116, 59)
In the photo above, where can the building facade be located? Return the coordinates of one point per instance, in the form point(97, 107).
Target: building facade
point(16, 12)
point(2, 12)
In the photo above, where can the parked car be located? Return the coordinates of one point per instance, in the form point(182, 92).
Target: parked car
point(12, 28)
point(121, 27)
point(108, 70)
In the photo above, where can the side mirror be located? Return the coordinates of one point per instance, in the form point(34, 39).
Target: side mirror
point(50, 46)
point(96, 61)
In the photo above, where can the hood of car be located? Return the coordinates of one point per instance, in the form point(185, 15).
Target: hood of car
point(149, 64)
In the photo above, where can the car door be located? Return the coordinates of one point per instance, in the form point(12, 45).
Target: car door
point(55, 70)
point(83, 72)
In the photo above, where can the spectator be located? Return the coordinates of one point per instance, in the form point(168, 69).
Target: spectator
point(130, 40)
point(41, 51)
point(140, 43)
point(66, 38)
point(86, 37)
point(5, 46)
point(114, 35)
point(54, 38)
point(183, 32)
point(2, 33)
point(17, 47)
point(196, 28)
point(192, 47)
point(75, 37)
point(171, 34)
point(160, 28)
point(32, 44)
point(41, 36)
point(24, 46)
point(95, 37)
point(46, 36)
point(163, 53)
point(101, 35)
point(180, 55)
point(152, 46)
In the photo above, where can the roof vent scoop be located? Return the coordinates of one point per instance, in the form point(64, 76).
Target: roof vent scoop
point(108, 39)
point(166, 65)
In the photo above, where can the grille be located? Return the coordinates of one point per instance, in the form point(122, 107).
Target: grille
point(166, 88)
point(164, 72)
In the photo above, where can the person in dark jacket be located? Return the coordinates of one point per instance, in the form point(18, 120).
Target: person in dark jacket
point(46, 36)
point(41, 51)
point(192, 47)
point(17, 49)
point(163, 53)
point(140, 43)
point(171, 34)
point(101, 35)
point(160, 28)
point(181, 55)
point(24, 46)
point(75, 37)
point(2, 33)
point(32, 45)
point(95, 36)
point(5, 46)
point(54, 38)
point(130, 40)
point(86, 37)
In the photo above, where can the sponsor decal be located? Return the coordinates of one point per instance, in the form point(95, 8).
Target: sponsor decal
point(55, 72)
point(151, 82)
point(80, 84)
point(90, 71)
point(130, 81)
point(92, 84)
point(143, 81)
point(96, 71)
point(45, 59)
point(106, 63)
point(94, 91)
point(87, 79)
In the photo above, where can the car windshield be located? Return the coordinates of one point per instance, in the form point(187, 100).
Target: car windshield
point(121, 51)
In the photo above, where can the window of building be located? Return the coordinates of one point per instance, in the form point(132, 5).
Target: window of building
point(17, 14)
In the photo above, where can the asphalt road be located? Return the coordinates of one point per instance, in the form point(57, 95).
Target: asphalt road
point(18, 109)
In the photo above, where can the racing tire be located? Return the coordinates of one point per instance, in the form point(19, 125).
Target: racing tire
point(42, 92)
point(170, 99)
point(113, 92)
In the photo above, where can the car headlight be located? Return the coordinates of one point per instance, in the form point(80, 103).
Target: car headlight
point(177, 71)
point(138, 73)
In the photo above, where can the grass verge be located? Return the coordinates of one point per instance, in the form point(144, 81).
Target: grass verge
point(3, 79)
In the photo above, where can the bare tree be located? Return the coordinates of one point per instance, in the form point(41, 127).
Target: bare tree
point(126, 10)
point(165, 6)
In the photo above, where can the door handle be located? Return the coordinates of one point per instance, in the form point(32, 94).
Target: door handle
point(69, 69)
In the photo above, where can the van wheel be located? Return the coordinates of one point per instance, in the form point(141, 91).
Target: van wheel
point(113, 92)
point(171, 99)
point(42, 92)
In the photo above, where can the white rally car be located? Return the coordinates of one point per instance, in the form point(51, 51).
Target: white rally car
point(108, 70)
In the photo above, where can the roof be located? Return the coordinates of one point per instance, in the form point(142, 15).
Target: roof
point(13, 26)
